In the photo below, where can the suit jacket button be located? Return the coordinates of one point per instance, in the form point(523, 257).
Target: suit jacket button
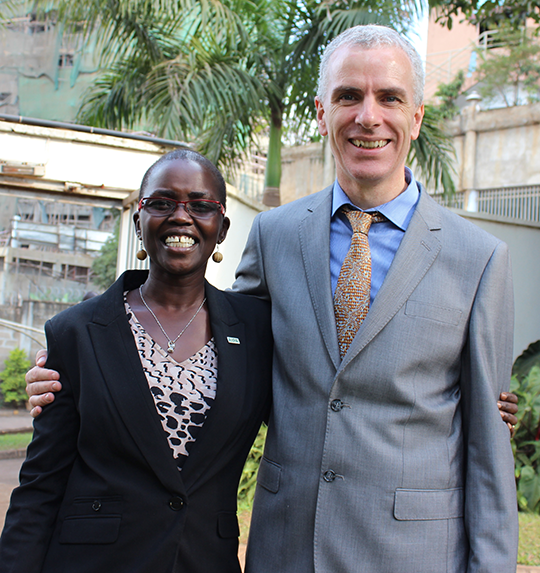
point(329, 476)
point(176, 503)
point(336, 405)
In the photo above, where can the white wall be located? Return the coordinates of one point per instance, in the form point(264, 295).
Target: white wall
point(76, 157)
point(241, 213)
point(523, 240)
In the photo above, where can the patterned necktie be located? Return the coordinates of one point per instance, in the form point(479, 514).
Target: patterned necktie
point(351, 299)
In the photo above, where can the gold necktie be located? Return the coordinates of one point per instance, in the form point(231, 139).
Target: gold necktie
point(351, 299)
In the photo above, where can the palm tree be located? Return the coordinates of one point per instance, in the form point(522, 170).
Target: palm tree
point(216, 72)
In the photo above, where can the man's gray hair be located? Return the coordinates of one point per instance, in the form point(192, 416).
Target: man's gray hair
point(369, 37)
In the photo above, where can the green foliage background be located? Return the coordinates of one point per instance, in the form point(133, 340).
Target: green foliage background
point(511, 69)
point(526, 441)
point(104, 265)
point(13, 386)
point(246, 488)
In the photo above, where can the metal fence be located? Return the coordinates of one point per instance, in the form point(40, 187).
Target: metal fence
point(456, 201)
point(520, 202)
point(250, 185)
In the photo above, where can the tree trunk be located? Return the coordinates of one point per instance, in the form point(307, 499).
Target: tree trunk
point(272, 174)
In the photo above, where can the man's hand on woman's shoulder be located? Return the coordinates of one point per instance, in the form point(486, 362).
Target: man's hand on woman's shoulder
point(41, 383)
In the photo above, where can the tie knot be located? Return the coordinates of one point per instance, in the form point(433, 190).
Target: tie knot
point(360, 221)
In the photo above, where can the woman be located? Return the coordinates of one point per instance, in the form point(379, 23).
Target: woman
point(128, 470)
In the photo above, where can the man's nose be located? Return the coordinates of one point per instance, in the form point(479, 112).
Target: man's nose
point(368, 115)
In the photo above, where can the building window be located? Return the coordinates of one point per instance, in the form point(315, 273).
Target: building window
point(65, 61)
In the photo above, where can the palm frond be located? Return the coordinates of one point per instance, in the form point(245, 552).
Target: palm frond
point(433, 152)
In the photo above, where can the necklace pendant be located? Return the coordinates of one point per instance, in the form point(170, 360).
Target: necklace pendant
point(170, 347)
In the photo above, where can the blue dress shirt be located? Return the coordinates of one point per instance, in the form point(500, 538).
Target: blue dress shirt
point(384, 238)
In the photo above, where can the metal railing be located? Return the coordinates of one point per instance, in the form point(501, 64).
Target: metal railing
point(251, 185)
point(520, 202)
point(441, 67)
point(456, 201)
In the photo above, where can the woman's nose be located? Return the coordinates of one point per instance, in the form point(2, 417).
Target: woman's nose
point(181, 213)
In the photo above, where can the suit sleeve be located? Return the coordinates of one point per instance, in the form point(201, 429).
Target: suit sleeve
point(250, 275)
point(490, 495)
point(35, 503)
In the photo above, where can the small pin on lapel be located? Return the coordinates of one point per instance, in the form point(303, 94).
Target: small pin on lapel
point(233, 340)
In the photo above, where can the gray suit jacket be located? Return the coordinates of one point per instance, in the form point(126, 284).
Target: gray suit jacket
point(395, 459)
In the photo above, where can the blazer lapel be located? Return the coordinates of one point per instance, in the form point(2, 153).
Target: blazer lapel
point(417, 252)
point(315, 246)
point(229, 336)
point(120, 365)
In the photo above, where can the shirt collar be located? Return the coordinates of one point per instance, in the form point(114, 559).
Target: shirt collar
point(399, 210)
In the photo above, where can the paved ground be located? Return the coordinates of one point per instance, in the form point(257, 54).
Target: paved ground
point(11, 420)
point(14, 420)
point(9, 472)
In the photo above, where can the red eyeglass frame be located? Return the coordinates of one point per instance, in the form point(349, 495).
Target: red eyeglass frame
point(222, 209)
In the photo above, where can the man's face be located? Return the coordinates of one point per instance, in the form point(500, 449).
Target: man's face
point(370, 117)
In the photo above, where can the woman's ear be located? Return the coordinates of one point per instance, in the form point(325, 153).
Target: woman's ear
point(224, 229)
point(137, 222)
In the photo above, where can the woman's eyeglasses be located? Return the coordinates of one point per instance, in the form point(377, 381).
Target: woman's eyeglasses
point(198, 208)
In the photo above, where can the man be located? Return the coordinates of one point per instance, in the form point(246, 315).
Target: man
point(389, 457)
point(385, 451)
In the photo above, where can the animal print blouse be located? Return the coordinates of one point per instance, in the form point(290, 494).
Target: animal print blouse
point(183, 392)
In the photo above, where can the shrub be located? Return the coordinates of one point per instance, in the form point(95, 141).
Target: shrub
point(248, 481)
point(13, 385)
point(448, 94)
point(104, 265)
point(526, 441)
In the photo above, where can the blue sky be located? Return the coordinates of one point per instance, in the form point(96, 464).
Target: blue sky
point(418, 35)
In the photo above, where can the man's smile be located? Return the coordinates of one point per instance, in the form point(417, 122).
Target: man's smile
point(369, 144)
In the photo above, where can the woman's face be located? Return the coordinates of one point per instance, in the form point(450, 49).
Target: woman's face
point(180, 243)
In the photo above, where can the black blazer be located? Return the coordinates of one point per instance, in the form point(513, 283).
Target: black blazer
point(100, 490)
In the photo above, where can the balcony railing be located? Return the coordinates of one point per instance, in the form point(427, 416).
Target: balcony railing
point(520, 202)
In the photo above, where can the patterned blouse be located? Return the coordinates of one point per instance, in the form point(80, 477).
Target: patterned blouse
point(183, 392)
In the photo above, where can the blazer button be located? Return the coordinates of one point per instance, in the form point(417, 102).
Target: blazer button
point(329, 476)
point(176, 503)
point(336, 405)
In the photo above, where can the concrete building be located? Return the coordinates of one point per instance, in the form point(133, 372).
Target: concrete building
point(449, 51)
point(61, 190)
point(43, 71)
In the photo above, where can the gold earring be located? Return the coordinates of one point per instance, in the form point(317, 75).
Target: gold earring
point(217, 257)
point(141, 253)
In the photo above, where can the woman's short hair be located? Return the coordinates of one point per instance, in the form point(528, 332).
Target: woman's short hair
point(185, 154)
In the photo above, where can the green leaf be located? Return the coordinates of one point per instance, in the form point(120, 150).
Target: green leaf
point(13, 385)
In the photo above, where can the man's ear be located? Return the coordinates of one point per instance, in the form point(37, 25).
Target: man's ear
point(321, 122)
point(417, 122)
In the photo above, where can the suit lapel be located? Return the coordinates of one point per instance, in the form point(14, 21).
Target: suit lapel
point(315, 246)
point(120, 365)
point(227, 407)
point(417, 252)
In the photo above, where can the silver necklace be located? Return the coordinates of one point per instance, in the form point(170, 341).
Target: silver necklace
point(171, 343)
